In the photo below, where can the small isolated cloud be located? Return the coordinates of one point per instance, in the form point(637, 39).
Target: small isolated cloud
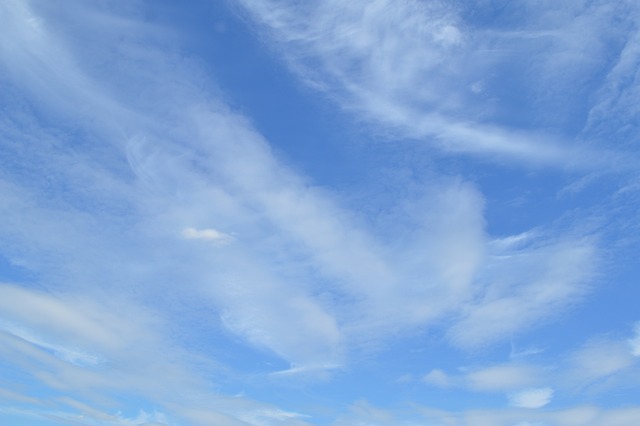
point(531, 398)
point(496, 378)
point(208, 234)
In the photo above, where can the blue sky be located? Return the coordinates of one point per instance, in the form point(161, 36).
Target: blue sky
point(284, 213)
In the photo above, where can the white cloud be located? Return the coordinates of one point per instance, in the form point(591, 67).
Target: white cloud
point(495, 378)
point(207, 235)
point(531, 398)
point(502, 377)
point(405, 66)
point(522, 286)
point(75, 320)
point(284, 325)
point(613, 110)
point(309, 279)
point(267, 416)
point(147, 365)
point(91, 416)
point(124, 335)
point(602, 364)
point(71, 355)
point(10, 395)
point(527, 352)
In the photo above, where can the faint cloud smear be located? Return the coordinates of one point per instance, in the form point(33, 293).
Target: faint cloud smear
point(531, 398)
point(496, 378)
point(515, 416)
point(635, 341)
point(67, 354)
point(523, 285)
point(502, 377)
point(599, 359)
point(437, 378)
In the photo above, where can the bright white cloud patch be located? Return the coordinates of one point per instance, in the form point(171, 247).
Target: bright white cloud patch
point(207, 235)
point(531, 398)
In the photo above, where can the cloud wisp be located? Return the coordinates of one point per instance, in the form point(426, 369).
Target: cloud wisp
point(420, 70)
point(285, 221)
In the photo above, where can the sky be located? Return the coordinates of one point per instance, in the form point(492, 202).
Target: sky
point(336, 213)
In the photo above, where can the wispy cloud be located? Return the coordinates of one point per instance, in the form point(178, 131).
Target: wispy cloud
point(502, 377)
point(180, 169)
point(89, 416)
point(496, 378)
point(601, 364)
point(423, 72)
point(158, 222)
point(71, 355)
point(516, 416)
point(503, 307)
